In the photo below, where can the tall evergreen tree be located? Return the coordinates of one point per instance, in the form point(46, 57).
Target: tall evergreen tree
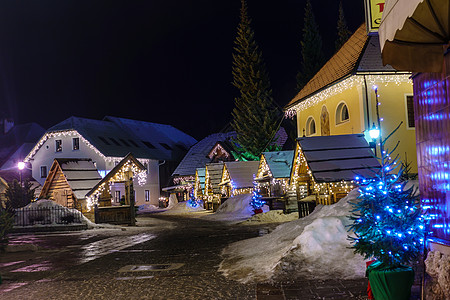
point(342, 29)
point(311, 45)
point(255, 116)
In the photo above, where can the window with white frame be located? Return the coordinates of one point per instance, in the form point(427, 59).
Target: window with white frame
point(310, 126)
point(58, 145)
point(342, 113)
point(76, 143)
point(147, 195)
point(117, 196)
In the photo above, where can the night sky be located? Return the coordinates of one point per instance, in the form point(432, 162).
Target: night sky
point(164, 61)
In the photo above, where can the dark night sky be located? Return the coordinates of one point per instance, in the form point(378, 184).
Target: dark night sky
point(164, 61)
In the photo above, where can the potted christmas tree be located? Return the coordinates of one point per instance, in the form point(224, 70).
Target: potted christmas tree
point(388, 227)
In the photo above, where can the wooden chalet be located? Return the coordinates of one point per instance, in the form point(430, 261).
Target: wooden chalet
point(213, 175)
point(272, 178)
point(325, 166)
point(199, 185)
point(68, 182)
point(237, 178)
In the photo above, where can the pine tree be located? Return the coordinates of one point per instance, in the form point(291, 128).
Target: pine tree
point(342, 29)
point(255, 115)
point(387, 218)
point(311, 45)
point(19, 195)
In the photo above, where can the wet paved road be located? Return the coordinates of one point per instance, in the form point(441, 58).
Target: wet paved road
point(161, 261)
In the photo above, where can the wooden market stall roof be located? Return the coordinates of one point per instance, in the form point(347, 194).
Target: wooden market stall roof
point(338, 157)
point(115, 170)
point(214, 171)
point(80, 174)
point(200, 175)
point(279, 163)
point(242, 173)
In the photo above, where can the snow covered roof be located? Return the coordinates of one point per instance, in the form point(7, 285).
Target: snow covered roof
point(116, 137)
point(17, 142)
point(197, 154)
point(201, 175)
point(338, 157)
point(360, 54)
point(280, 163)
point(215, 175)
point(81, 175)
point(242, 173)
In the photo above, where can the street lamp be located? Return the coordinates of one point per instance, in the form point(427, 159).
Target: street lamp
point(374, 133)
point(21, 166)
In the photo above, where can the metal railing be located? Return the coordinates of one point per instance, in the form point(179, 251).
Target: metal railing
point(26, 216)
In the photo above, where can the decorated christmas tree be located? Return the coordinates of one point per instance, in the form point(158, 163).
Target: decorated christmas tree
point(257, 203)
point(192, 202)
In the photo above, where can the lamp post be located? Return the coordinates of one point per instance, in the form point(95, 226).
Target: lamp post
point(374, 133)
point(20, 166)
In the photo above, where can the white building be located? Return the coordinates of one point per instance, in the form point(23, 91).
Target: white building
point(107, 142)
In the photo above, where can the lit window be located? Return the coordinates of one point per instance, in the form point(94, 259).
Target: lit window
point(410, 111)
point(117, 196)
point(310, 126)
point(342, 113)
point(43, 171)
point(58, 145)
point(147, 195)
point(76, 144)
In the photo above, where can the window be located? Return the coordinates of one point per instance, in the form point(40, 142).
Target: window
point(104, 140)
point(310, 126)
point(58, 145)
point(147, 195)
point(76, 144)
point(342, 113)
point(410, 111)
point(166, 146)
point(43, 171)
point(117, 196)
point(148, 144)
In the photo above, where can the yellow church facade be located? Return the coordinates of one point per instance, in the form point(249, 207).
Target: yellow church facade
point(341, 99)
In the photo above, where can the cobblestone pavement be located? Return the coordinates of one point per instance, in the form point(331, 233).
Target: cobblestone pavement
point(178, 262)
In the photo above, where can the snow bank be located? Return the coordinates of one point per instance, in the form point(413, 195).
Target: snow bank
point(235, 209)
point(183, 208)
point(49, 213)
point(148, 208)
point(313, 247)
point(273, 216)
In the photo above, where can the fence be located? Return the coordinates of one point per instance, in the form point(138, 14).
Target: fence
point(305, 208)
point(46, 215)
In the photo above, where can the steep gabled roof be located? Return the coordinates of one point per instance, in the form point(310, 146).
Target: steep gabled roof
point(197, 155)
point(215, 175)
point(280, 163)
point(361, 53)
point(242, 173)
point(81, 175)
point(335, 158)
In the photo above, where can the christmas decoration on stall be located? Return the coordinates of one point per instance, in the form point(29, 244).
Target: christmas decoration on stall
point(192, 202)
point(388, 224)
point(255, 116)
point(257, 203)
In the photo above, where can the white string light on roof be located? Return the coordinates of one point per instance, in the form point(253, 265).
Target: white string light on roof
point(344, 85)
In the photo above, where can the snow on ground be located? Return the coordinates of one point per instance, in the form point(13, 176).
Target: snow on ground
point(273, 216)
point(183, 208)
point(235, 209)
point(149, 208)
point(315, 247)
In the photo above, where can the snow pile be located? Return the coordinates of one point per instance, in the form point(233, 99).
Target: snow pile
point(314, 247)
point(49, 213)
point(438, 267)
point(183, 208)
point(273, 216)
point(172, 201)
point(235, 209)
point(148, 208)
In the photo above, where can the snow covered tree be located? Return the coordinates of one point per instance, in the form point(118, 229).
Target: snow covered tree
point(311, 46)
point(255, 115)
point(343, 33)
point(19, 195)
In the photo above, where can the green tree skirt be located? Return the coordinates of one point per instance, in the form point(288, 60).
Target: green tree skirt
point(390, 283)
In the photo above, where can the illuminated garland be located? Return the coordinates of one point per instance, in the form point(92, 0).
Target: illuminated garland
point(181, 179)
point(344, 85)
point(216, 150)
